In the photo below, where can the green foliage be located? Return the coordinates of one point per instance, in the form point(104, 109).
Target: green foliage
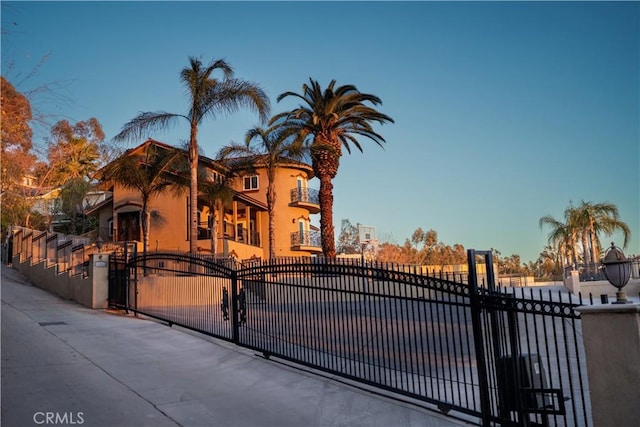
point(70, 206)
point(75, 150)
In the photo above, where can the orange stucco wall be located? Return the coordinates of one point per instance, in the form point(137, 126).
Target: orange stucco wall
point(168, 230)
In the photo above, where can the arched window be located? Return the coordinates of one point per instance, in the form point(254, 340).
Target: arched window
point(301, 186)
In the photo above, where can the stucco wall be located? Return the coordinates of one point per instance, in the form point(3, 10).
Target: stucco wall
point(286, 220)
point(91, 292)
point(168, 218)
point(612, 347)
point(601, 287)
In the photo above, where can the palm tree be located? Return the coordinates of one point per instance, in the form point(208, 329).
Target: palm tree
point(208, 98)
point(276, 146)
point(329, 119)
point(597, 218)
point(583, 224)
point(146, 173)
point(562, 236)
point(216, 189)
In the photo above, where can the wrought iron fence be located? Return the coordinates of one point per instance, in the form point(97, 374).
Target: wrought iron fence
point(79, 261)
point(593, 271)
point(305, 195)
point(475, 349)
point(306, 238)
point(504, 357)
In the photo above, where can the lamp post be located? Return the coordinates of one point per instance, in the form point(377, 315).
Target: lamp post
point(617, 270)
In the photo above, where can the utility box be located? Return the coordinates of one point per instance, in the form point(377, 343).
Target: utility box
point(523, 385)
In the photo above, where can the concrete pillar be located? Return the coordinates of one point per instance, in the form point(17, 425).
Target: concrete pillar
point(612, 345)
point(573, 282)
point(235, 220)
point(99, 276)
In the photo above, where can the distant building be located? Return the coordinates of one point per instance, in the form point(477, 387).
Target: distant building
point(45, 200)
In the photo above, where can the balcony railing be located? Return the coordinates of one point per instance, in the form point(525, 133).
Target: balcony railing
point(241, 235)
point(306, 197)
point(307, 238)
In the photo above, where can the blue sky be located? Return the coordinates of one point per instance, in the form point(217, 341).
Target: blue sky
point(504, 111)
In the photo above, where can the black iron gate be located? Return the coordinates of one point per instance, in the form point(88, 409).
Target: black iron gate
point(119, 273)
point(501, 358)
point(531, 365)
point(118, 280)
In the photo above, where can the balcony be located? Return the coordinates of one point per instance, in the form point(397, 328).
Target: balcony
point(241, 235)
point(306, 198)
point(306, 241)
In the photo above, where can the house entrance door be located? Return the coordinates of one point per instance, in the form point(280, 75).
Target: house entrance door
point(128, 226)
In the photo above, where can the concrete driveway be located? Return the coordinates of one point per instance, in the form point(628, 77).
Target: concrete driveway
point(65, 364)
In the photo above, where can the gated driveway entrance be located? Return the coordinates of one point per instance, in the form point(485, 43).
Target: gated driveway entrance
point(461, 345)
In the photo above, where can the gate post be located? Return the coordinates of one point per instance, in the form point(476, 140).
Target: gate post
point(235, 325)
point(478, 339)
point(612, 349)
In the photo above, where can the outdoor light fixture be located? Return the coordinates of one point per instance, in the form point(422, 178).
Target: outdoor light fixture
point(99, 243)
point(617, 270)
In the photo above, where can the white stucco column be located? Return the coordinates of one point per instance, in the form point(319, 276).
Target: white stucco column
point(247, 214)
point(99, 276)
point(573, 282)
point(612, 345)
point(235, 220)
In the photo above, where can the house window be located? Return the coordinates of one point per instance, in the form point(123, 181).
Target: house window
point(303, 228)
point(110, 225)
point(250, 182)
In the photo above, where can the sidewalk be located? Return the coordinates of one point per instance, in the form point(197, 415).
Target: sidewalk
point(65, 364)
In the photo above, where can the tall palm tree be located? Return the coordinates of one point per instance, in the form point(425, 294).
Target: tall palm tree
point(147, 173)
point(599, 218)
point(276, 146)
point(209, 97)
point(327, 120)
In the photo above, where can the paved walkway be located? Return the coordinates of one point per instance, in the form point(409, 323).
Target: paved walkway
point(65, 364)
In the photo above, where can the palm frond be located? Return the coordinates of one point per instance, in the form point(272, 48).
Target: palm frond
point(144, 123)
point(231, 95)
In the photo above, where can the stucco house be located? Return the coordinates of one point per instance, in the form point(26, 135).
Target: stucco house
point(241, 226)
